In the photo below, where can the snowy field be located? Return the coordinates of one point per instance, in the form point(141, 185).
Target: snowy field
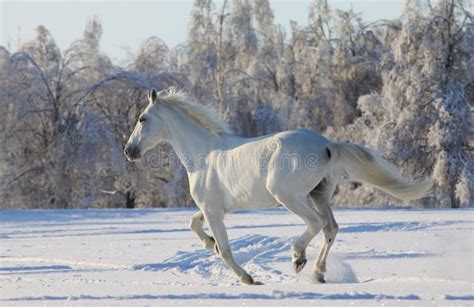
point(151, 258)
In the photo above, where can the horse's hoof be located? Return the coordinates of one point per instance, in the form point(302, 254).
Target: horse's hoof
point(248, 280)
point(299, 264)
point(320, 278)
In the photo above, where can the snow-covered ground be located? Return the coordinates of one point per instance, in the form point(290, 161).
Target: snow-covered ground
point(151, 258)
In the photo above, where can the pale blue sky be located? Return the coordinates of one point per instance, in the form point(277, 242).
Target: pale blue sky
point(127, 23)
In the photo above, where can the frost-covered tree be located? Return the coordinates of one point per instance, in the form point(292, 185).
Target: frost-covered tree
point(421, 116)
point(201, 53)
point(426, 107)
point(151, 57)
point(35, 87)
point(85, 53)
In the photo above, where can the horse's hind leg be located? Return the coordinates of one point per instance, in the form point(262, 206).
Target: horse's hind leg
point(315, 221)
point(196, 225)
point(321, 196)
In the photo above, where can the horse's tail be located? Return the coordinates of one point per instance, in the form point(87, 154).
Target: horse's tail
point(363, 165)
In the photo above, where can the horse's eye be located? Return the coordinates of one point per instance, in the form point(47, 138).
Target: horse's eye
point(141, 119)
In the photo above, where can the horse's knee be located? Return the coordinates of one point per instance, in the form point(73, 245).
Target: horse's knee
point(193, 225)
point(196, 223)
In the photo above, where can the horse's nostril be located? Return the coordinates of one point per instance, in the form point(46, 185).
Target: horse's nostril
point(126, 151)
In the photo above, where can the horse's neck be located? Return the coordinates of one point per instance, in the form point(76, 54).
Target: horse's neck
point(191, 141)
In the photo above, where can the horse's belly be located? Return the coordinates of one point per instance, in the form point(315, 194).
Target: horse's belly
point(255, 203)
point(248, 196)
point(242, 175)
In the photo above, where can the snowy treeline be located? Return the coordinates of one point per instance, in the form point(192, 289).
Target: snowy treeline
point(404, 86)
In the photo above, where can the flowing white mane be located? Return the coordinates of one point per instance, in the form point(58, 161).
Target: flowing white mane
point(205, 116)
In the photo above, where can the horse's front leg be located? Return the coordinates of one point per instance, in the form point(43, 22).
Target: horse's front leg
point(216, 224)
point(196, 225)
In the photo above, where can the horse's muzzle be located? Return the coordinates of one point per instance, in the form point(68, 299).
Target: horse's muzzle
point(132, 152)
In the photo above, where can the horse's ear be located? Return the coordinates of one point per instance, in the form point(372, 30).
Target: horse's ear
point(152, 96)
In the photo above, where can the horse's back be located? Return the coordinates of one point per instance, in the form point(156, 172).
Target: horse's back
point(301, 146)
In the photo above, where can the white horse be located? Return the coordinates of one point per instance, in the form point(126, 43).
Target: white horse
point(297, 169)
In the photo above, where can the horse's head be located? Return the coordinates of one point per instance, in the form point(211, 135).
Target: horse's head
point(148, 132)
